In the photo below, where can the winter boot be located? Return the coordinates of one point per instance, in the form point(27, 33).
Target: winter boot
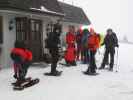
point(111, 69)
point(56, 73)
point(15, 76)
point(100, 68)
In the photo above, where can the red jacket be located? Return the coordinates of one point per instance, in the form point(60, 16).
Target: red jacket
point(70, 38)
point(93, 42)
point(24, 53)
point(29, 55)
point(70, 54)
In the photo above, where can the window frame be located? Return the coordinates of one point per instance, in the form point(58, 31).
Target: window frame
point(1, 29)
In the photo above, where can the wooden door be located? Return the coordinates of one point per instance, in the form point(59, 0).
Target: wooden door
point(36, 39)
point(1, 30)
point(30, 31)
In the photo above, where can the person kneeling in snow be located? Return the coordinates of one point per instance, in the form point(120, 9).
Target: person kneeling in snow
point(22, 58)
point(93, 45)
point(70, 55)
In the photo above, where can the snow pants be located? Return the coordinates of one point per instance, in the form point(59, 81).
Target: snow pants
point(54, 60)
point(92, 63)
point(111, 52)
point(21, 70)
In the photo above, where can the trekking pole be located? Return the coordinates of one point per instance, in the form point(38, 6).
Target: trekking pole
point(99, 52)
point(117, 67)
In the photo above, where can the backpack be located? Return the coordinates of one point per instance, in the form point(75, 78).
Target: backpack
point(52, 40)
point(48, 40)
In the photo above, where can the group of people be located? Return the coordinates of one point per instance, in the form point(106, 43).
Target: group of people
point(22, 57)
point(82, 45)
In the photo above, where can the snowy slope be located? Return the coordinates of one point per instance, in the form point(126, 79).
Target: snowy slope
point(73, 85)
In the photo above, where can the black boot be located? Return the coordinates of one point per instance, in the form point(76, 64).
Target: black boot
point(15, 76)
point(111, 69)
point(88, 71)
point(100, 68)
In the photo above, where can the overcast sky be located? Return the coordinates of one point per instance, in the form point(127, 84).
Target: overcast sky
point(117, 14)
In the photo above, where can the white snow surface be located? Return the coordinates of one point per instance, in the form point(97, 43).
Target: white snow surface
point(73, 85)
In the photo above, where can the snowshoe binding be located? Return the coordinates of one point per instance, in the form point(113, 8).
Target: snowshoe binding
point(56, 73)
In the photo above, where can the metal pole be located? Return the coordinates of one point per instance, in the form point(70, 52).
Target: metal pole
point(72, 2)
point(117, 67)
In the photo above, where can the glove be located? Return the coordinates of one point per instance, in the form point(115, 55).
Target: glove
point(102, 44)
point(117, 46)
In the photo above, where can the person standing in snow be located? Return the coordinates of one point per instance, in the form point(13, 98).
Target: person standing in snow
point(85, 51)
point(79, 44)
point(93, 45)
point(53, 44)
point(70, 55)
point(110, 42)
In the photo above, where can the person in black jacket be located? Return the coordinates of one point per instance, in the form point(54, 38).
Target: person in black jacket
point(110, 42)
point(53, 44)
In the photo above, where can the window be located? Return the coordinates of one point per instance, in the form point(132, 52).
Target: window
point(1, 30)
point(22, 28)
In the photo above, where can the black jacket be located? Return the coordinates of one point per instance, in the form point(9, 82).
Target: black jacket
point(53, 41)
point(111, 41)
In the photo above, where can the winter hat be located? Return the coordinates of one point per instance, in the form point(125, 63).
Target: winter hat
point(109, 30)
point(85, 31)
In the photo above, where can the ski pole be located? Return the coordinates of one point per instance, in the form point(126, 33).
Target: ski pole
point(117, 67)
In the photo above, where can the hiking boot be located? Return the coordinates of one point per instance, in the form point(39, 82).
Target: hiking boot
point(101, 68)
point(111, 69)
point(15, 76)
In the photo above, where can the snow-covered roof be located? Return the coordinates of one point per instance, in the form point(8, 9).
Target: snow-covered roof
point(74, 14)
point(43, 9)
point(34, 6)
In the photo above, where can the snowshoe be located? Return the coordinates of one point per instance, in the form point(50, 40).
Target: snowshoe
point(25, 80)
point(26, 84)
point(57, 73)
point(90, 73)
point(31, 83)
point(101, 68)
point(18, 88)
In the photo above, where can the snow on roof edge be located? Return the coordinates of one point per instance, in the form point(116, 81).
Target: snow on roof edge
point(43, 9)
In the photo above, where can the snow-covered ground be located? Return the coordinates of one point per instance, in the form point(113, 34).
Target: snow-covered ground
point(73, 85)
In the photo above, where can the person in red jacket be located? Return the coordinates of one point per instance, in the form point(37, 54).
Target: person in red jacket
point(70, 38)
point(22, 58)
point(93, 45)
point(70, 55)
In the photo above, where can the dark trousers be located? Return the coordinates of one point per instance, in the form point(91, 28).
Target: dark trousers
point(54, 59)
point(25, 67)
point(111, 52)
point(86, 55)
point(92, 63)
point(21, 70)
point(78, 52)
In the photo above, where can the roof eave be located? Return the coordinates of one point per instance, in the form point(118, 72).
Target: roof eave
point(32, 11)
